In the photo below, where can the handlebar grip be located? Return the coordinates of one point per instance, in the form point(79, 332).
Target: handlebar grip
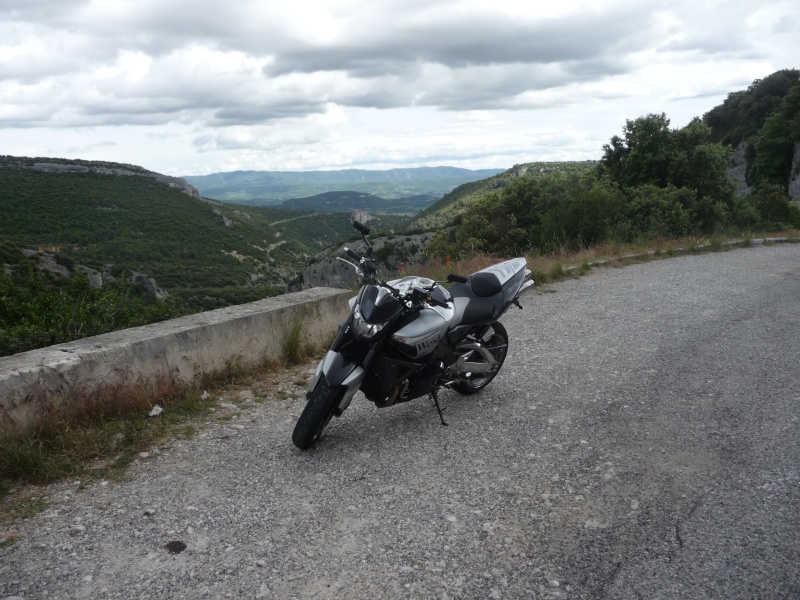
point(352, 253)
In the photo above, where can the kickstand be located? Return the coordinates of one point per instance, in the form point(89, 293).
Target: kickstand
point(435, 398)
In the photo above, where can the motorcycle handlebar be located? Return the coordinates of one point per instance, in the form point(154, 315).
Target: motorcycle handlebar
point(353, 254)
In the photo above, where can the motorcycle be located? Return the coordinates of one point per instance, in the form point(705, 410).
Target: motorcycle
point(411, 337)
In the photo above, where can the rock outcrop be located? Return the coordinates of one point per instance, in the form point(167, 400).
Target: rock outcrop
point(395, 254)
point(794, 175)
point(737, 170)
point(51, 263)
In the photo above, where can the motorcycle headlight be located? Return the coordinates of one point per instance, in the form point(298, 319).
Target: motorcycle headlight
point(364, 329)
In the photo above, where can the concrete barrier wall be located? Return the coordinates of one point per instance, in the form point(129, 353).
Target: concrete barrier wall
point(183, 349)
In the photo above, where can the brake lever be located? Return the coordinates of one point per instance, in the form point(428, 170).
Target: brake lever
point(359, 272)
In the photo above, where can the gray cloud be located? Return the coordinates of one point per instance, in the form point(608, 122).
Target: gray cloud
point(255, 76)
point(479, 41)
point(387, 56)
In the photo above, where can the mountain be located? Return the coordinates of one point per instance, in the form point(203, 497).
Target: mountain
point(273, 187)
point(121, 219)
point(348, 201)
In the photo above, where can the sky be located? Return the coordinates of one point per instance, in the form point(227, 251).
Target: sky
point(191, 87)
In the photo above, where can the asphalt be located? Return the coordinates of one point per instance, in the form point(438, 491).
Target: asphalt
point(641, 441)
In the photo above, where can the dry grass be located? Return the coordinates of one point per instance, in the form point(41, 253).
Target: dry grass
point(562, 264)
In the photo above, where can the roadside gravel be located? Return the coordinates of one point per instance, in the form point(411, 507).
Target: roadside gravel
point(640, 442)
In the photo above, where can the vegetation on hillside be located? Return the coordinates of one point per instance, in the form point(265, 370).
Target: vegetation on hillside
point(39, 309)
point(766, 116)
point(445, 211)
point(204, 254)
point(190, 246)
point(653, 181)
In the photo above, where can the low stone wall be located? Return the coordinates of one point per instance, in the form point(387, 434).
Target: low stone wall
point(182, 350)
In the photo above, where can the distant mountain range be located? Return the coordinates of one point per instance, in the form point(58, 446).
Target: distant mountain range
point(348, 201)
point(274, 187)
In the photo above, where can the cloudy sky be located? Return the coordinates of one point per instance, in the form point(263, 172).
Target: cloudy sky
point(189, 87)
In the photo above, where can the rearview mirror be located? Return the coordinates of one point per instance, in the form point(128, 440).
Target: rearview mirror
point(361, 228)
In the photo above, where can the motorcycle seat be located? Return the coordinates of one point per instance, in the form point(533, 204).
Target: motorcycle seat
point(475, 308)
point(486, 293)
point(485, 284)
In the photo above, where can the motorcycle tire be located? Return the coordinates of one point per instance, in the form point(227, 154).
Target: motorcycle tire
point(316, 415)
point(497, 344)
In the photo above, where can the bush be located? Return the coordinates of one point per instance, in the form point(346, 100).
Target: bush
point(40, 309)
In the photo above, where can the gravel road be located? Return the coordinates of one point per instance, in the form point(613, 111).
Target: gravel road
point(640, 442)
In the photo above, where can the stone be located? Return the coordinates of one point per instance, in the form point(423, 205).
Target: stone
point(794, 175)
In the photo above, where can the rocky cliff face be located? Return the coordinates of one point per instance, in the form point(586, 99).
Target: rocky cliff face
point(794, 176)
point(50, 263)
point(395, 254)
point(737, 170)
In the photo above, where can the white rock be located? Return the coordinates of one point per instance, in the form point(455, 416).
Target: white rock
point(157, 410)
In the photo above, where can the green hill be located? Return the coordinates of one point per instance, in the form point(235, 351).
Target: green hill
point(206, 253)
point(444, 211)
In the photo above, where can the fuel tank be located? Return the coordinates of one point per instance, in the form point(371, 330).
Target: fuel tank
point(419, 336)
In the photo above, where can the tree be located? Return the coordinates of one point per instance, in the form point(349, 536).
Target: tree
point(644, 155)
point(652, 154)
point(774, 149)
point(775, 207)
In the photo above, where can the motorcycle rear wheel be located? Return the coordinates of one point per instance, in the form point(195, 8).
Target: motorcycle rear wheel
point(497, 344)
point(316, 415)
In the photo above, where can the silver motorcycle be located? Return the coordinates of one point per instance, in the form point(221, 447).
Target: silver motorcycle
point(411, 337)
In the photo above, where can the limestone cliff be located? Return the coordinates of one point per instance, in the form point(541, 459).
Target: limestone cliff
point(794, 175)
point(737, 169)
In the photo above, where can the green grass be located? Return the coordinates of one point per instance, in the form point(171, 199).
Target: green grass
point(294, 345)
point(27, 506)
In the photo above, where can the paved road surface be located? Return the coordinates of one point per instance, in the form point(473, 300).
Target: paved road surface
point(640, 442)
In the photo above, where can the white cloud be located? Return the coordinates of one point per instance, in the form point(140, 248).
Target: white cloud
point(333, 84)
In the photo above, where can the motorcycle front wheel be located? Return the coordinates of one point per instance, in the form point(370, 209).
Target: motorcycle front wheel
point(495, 339)
point(316, 415)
